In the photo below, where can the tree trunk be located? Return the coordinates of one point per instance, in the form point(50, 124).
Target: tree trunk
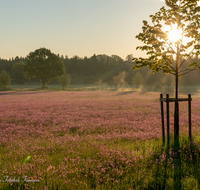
point(176, 110)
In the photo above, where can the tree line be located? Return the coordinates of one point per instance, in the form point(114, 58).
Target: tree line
point(97, 69)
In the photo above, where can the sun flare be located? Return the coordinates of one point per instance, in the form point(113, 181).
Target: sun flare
point(175, 34)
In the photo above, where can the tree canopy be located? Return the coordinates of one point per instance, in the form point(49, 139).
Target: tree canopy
point(182, 15)
point(44, 65)
point(174, 35)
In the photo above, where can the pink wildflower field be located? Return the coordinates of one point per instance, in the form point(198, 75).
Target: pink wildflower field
point(43, 124)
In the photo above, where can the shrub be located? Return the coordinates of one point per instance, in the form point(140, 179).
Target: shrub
point(65, 80)
point(4, 79)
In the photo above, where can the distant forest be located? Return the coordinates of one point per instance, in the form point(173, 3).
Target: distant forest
point(104, 69)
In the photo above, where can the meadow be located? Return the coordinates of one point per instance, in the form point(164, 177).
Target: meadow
point(94, 140)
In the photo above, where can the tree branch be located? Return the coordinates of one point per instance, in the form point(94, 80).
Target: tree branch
point(186, 59)
point(189, 71)
point(171, 48)
point(184, 70)
point(169, 72)
point(169, 64)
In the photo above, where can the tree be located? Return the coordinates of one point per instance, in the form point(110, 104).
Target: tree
point(129, 58)
point(44, 65)
point(117, 59)
point(65, 80)
point(18, 72)
point(165, 40)
point(137, 79)
point(4, 79)
point(93, 65)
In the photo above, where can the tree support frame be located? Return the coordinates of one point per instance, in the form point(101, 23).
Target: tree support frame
point(176, 130)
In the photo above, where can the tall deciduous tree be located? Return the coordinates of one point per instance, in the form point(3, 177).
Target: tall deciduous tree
point(44, 65)
point(174, 34)
point(4, 79)
point(18, 72)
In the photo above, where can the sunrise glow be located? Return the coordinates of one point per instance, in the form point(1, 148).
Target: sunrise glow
point(175, 34)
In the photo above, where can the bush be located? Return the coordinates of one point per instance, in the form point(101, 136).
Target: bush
point(4, 79)
point(65, 80)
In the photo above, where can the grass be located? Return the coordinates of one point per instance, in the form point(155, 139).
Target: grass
point(122, 165)
point(84, 162)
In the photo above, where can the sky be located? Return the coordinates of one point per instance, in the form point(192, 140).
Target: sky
point(73, 27)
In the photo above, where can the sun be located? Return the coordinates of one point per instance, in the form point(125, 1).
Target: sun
point(175, 34)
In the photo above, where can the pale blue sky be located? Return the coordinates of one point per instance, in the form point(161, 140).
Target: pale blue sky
point(73, 27)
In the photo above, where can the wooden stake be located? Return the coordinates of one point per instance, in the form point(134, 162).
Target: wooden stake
point(162, 119)
point(189, 109)
point(167, 101)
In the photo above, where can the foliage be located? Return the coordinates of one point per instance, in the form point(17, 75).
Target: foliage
point(137, 79)
point(44, 65)
point(18, 72)
point(160, 51)
point(105, 71)
point(65, 80)
point(129, 58)
point(183, 17)
point(4, 79)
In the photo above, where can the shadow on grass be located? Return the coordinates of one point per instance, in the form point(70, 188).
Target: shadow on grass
point(178, 170)
point(20, 93)
point(125, 93)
